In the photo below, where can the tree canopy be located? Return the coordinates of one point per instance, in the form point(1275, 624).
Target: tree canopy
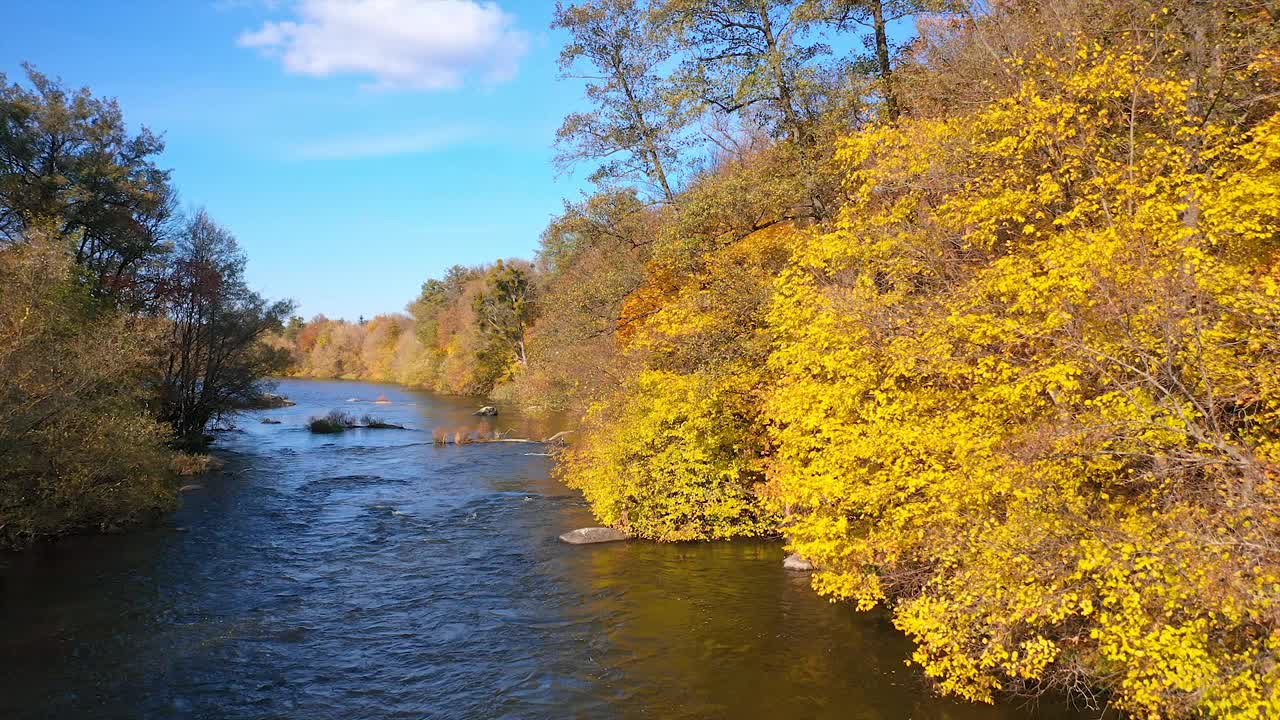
point(126, 328)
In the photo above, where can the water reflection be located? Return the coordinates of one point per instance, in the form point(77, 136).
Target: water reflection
point(374, 574)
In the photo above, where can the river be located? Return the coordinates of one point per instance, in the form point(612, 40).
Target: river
point(373, 575)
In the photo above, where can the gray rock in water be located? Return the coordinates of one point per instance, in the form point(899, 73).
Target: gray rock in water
point(585, 536)
point(270, 421)
point(487, 411)
point(795, 562)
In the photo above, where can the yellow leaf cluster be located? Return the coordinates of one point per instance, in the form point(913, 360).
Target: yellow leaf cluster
point(1027, 391)
point(669, 463)
point(676, 453)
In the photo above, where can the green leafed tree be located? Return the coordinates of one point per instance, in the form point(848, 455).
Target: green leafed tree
point(504, 309)
point(68, 157)
point(214, 359)
point(874, 16)
point(635, 127)
point(592, 260)
point(754, 58)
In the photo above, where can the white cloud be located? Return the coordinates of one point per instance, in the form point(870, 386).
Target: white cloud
point(401, 44)
point(412, 142)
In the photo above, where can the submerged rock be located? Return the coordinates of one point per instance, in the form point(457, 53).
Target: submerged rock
point(794, 561)
point(270, 421)
point(487, 411)
point(586, 536)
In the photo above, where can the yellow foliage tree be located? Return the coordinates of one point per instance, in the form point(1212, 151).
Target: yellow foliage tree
point(1028, 388)
point(668, 462)
point(79, 449)
point(676, 453)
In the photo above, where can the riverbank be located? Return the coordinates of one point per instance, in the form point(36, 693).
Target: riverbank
point(375, 575)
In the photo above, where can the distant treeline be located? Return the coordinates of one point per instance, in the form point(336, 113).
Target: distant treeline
point(985, 323)
point(465, 335)
point(126, 327)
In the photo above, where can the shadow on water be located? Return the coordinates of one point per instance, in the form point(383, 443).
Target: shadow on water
point(372, 574)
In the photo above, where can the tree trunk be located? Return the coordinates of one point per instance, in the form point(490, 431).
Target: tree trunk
point(786, 102)
point(882, 60)
point(646, 132)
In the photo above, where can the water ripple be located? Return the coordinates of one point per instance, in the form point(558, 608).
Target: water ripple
point(374, 575)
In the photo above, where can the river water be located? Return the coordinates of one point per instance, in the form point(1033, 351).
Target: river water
point(374, 575)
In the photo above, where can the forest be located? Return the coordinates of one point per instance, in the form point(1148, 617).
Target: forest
point(985, 323)
point(976, 305)
point(126, 328)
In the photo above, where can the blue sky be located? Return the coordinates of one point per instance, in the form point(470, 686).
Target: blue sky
point(355, 147)
point(350, 174)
